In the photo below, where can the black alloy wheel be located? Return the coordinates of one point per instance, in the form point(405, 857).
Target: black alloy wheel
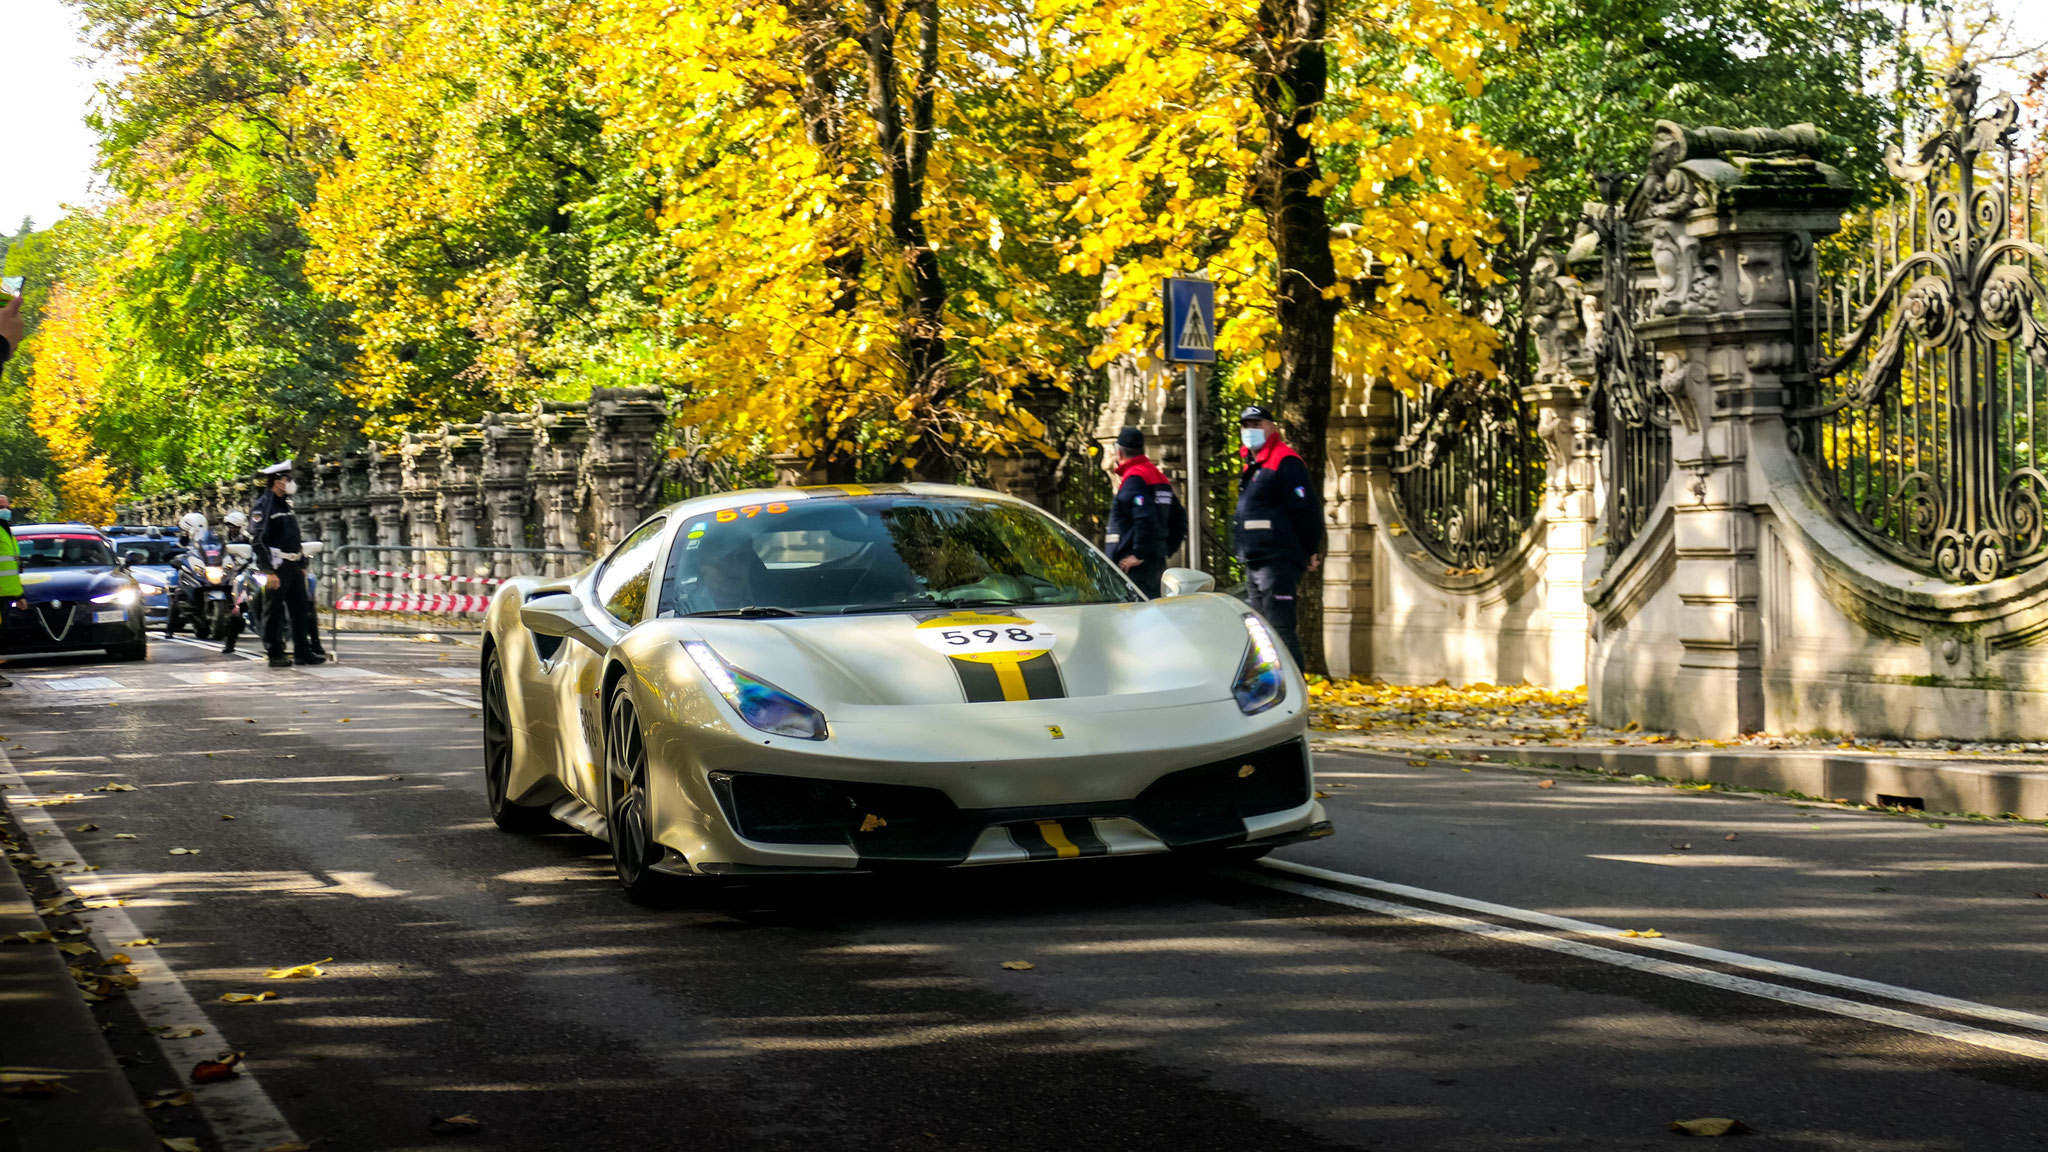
point(507, 815)
point(202, 620)
point(628, 818)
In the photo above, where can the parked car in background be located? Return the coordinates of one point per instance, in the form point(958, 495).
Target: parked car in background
point(155, 570)
point(80, 595)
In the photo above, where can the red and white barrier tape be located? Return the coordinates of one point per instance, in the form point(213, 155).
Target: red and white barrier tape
point(405, 603)
point(418, 576)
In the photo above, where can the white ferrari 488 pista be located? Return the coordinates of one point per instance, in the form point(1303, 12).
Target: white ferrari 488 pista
point(830, 679)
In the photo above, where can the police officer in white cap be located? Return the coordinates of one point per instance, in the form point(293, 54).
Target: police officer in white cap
point(274, 530)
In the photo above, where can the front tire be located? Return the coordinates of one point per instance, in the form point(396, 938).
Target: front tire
point(508, 816)
point(136, 651)
point(628, 816)
point(172, 619)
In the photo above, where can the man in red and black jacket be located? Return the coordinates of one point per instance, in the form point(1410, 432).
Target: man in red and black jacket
point(1279, 522)
point(1144, 522)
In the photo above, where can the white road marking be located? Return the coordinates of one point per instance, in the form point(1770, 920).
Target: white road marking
point(242, 1116)
point(217, 676)
point(84, 684)
point(1854, 1009)
point(341, 672)
point(2009, 1016)
point(452, 673)
point(205, 646)
point(441, 698)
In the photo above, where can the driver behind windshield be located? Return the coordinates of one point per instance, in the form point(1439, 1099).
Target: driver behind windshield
point(720, 572)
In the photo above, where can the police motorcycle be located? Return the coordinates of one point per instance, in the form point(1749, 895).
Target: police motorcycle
point(199, 592)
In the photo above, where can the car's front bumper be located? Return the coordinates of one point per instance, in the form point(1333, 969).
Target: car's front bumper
point(1082, 779)
point(74, 627)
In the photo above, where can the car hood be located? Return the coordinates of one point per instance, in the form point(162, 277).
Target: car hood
point(1151, 654)
point(160, 575)
point(42, 585)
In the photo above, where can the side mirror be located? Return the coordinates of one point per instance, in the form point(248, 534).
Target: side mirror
point(312, 548)
point(135, 557)
point(1185, 582)
point(559, 614)
point(241, 551)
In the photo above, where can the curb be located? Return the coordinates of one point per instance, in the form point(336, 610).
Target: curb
point(1933, 785)
point(46, 1027)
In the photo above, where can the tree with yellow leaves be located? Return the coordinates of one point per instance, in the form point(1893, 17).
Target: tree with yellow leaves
point(835, 178)
point(65, 398)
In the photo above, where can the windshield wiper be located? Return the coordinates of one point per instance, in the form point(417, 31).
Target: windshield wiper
point(751, 611)
point(981, 601)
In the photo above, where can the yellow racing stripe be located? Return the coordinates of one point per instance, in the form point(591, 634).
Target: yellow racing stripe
point(856, 489)
point(1011, 677)
point(1057, 837)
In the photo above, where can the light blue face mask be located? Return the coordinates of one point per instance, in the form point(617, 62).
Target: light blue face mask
point(1253, 438)
point(6, 514)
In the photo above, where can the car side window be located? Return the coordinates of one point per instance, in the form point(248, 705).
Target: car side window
point(622, 582)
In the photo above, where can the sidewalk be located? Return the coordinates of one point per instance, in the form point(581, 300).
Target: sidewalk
point(48, 1034)
point(1543, 728)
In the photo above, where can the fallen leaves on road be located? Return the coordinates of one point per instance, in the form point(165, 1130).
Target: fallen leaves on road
point(144, 942)
point(115, 786)
point(170, 1098)
point(288, 1146)
point(221, 1067)
point(225, 816)
point(1645, 934)
point(1018, 965)
point(461, 1125)
point(47, 937)
point(182, 1033)
point(299, 971)
point(1709, 1126)
point(87, 828)
point(116, 960)
point(1729, 836)
point(184, 851)
point(75, 949)
point(1546, 783)
point(181, 1143)
point(126, 836)
point(32, 1083)
point(247, 997)
point(56, 907)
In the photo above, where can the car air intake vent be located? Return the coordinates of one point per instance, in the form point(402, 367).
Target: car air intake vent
point(1207, 803)
point(798, 810)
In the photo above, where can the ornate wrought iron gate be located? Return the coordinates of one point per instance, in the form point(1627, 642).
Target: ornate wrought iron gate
point(1468, 471)
point(1629, 412)
point(1924, 427)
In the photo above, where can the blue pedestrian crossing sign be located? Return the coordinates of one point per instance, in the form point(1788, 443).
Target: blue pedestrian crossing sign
point(1190, 320)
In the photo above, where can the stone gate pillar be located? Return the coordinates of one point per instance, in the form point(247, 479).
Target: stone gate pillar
point(461, 483)
point(327, 522)
point(563, 434)
point(624, 423)
point(358, 528)
point(421, 494)
point(386, 502)
point(1362, 433)
point(1731, 217)
point(507, 488)
point(1564, 421)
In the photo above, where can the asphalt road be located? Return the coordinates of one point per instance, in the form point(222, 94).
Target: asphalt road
point(1415, 991)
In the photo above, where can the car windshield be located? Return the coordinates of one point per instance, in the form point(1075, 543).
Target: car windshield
point(70, 551)
point(882, 553)
point(156, 551)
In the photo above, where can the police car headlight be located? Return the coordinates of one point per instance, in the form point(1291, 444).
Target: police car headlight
point(151, 590)
point(758, 702)
point(125, 597)
point(1260, 682)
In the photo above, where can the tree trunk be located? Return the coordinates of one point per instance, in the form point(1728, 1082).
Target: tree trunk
point(821, 102)
point(904, 149)
point(1293, 77)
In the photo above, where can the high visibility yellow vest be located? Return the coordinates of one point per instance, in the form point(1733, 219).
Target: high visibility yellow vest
point(10, 566)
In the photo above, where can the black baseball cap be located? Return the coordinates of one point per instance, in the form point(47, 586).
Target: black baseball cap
point(1254, 412)
point(1131, 440)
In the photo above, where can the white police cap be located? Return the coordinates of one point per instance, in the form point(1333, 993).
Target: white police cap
point(276, 469)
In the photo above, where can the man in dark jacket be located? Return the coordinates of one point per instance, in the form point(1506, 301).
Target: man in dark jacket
point(1143, 519)
point(274, 530)
point(1279, 522)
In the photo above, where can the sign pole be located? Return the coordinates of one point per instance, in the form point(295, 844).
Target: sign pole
point(1194, 470)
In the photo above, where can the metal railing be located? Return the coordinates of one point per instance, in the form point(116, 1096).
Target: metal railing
point(380, 590)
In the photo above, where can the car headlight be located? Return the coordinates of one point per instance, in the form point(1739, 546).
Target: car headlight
point(125, 597)
point(215, 573)
point(758, 702)
point(1260, 681)
point(151, 590)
